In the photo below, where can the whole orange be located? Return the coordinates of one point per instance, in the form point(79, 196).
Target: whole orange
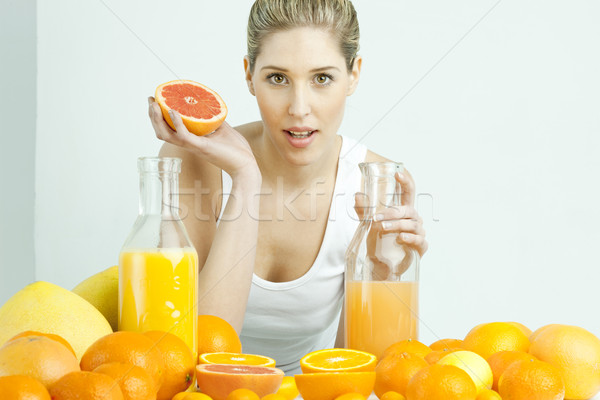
point(410, 346)
point(395, 371)
point(487, 339)
point(274, 396)
point(445, 382)
point(135, 382)
point(445, 344)
point(215, 334)
point(391, 395)
point(288, 388)
point(350, 396)
point(179, 363)
point(575, 352)
point(125, 347)
point(86, 385)
point(52, 336)
point(37, 356)
point(531, 380)
point(522, 327)
point(22, 387)
point(503, 359)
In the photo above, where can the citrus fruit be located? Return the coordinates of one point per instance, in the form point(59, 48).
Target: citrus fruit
point(86, 385)
point(288, 388)
point(351, 396)
point(37, 356)
point(531, 380)
point(487, 339)
point(202, 109)
point(445, 344)
point(437, 355)
point(236, 359)
point(488, 394)
point(411, 346)
point(179, 363)
point(395, 371)
point(22, 387)
point(445, 382)
point(52, 336)
point(503, 359)
point(191, 396)
point(391, 395)
point(336, 360)
point(102, 291)
point(329, 385)
point(242, 394)
point(474, 365)
point(216, 335)
point(135, 382)
point(218, 380)
point(540, 330)
point(575, 352)
point(274, 396)
point(522, 327)
point(125, 347)
point(48, 308)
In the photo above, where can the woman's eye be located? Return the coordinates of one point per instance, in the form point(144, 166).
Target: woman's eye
point(277, 78)
point(323, 79)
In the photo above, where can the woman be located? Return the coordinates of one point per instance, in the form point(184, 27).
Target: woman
point(272, 255)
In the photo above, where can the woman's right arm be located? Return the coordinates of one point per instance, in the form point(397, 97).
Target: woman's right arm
point(226, 253)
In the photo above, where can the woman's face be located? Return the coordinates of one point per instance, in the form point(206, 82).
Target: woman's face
point(301, 81)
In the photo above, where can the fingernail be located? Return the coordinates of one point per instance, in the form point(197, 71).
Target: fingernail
point(378, 217)
point(171, 113)
point(400, 175)
point(386, 224)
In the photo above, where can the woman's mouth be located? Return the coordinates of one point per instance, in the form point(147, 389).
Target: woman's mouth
point(300, 137)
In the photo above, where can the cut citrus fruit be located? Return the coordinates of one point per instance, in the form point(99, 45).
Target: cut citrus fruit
point(337, 360)
point(202, 109)
point(236, 359)
point(218, 380)
point(329, 385)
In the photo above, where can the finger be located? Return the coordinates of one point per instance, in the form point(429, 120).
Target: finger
point(407, 184)
point(178, 122)
point(397, 212)
point(416, 242)
point(404, 225)
point(361, 203)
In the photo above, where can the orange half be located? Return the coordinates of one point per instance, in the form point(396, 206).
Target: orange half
point(338, 360)
point(202, 110)
point(236, 359)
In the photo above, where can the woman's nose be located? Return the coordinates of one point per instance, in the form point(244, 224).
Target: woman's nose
point(299, 102)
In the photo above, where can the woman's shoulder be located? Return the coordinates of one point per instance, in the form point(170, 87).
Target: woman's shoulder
point(374, 157)
point(250, 130)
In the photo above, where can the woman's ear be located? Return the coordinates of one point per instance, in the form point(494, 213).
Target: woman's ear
point(354, 75)
point(248, 75)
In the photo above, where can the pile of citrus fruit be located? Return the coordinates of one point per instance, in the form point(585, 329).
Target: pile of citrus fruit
point(45, 354)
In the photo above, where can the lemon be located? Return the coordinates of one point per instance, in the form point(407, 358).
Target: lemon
point(102, 291)
point(473, 364)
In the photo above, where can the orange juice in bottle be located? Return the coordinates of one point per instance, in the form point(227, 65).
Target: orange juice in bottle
point(381, 280)
point(158, 266)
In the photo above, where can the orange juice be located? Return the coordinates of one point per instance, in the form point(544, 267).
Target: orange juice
point(380, 313)
point(157, 291)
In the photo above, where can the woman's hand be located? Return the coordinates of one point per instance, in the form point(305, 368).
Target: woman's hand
point(225, 148)
point(403, 220)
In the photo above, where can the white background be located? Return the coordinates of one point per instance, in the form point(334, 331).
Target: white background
point(493, 107)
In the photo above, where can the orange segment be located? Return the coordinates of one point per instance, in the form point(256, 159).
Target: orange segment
point(223, 357)
point(329, 385)
point(335, 360)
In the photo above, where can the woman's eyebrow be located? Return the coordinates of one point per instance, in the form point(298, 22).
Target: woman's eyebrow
point(312, 70)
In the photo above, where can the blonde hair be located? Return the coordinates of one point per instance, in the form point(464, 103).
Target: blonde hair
point(336, 16)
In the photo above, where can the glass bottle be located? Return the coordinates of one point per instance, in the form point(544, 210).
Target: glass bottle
point(158, 266)
point(382, 275)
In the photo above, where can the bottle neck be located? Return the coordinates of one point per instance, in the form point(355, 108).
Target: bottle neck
point(381, 187)
point(159, 194)
point(159, 186)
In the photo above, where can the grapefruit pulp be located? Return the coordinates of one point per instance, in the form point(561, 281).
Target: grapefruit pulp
point(202, 109)
point(218, 380)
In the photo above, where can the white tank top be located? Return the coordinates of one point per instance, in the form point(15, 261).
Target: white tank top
point(287, 320)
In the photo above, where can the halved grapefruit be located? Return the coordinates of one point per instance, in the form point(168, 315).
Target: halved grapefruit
point(218, 380)
point(201, 108)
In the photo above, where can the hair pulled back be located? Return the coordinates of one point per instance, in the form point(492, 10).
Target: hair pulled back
point(336, 16)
